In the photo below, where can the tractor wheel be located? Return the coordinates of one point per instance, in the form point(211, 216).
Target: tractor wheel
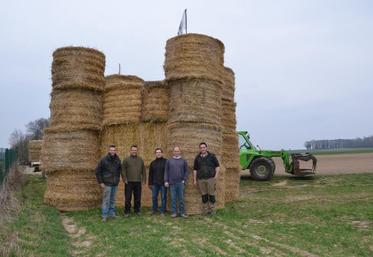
point(262, 169)
point(273, 165)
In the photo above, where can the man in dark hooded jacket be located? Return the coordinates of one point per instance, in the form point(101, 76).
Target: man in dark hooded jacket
point(108, 174)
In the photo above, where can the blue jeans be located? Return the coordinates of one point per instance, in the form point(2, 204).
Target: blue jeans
point(177, 195)
point(108, 201)
point(155, 191)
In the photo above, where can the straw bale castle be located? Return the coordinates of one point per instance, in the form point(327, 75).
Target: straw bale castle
point(194, 103)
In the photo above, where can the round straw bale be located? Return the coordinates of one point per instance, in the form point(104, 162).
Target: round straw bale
point(228, 85)
point(155, 101)
point(76, 150)
point(76, 109)
point(194, 56)
point(78, 67)
point(34, 150)
point(195, 100)
point(188, 136)
point(73, 190)
point(232, 184)
point(122, 99)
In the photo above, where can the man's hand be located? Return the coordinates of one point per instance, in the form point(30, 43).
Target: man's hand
point(150, 187)
point(194, 182)
point(102, 185)
point(166, 184)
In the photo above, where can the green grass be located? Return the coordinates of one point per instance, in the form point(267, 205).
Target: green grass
point(37, 229)
point(325, 216)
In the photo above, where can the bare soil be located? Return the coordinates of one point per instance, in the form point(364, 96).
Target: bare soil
point(337, 164)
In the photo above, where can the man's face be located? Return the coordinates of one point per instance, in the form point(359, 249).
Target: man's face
point(133, 151)
point(203, 149)
point(158, 154)
point(112, 151)
point(177, 151)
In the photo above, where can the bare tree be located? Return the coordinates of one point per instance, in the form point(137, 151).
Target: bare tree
point(19, 141)
point(35, 128)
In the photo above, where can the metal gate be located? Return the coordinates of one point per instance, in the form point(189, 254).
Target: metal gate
point(7, 158)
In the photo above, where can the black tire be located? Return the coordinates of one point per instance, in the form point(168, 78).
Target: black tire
point(262, 169)
point(273, 165)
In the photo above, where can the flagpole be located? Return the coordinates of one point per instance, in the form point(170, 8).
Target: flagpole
point(186, 22)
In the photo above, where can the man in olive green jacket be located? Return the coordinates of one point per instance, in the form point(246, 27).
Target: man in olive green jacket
point(133, 174)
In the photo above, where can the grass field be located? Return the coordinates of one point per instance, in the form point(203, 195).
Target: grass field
point(324, 216)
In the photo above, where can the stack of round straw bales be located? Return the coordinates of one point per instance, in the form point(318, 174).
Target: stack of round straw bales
point(71, 143)
point(34, 150)
point(193, 69)
point(230, 140)
point(122, 113)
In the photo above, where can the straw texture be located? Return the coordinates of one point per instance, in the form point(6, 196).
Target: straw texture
point(72, 190)
point(76, 150)
point(232, 184)
point(189, 135)
point(73, 109)
point(122, 100)
point(195, 100)
point(34, 150)
point(78, 67)
point(228, 88)
point(194, 56)
point(155, 101)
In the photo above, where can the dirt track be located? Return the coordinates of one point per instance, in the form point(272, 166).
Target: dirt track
point(335, 164)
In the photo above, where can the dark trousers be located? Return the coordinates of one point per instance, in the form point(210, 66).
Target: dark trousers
point(135, 188)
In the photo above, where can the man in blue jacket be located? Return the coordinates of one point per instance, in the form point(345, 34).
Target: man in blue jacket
point(108, 175)
point(175, 177)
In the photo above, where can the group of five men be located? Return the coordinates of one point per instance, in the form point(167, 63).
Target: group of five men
point(164, 175)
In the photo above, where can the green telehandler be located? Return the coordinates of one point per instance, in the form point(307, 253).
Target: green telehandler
point(261, 164)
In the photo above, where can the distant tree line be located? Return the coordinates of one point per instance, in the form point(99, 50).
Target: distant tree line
point(18, 140)
point(365, 142)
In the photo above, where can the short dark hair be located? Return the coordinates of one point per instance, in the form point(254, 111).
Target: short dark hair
point(111, 146)
point(132, 146)
point(158, 148)
point(202, 143)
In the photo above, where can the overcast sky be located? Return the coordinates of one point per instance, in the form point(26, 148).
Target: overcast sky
point(303, 68)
